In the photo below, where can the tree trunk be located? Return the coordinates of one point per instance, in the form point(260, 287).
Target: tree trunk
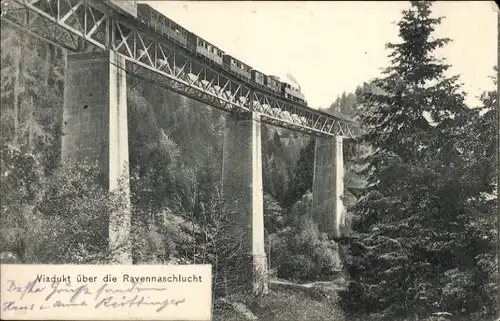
point(31, 121)
point(17, 87)
point(46, 67)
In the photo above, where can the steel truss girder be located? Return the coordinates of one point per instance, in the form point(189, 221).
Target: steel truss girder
point(89, 25)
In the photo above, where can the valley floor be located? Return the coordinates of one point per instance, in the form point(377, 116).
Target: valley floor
point(283, 303)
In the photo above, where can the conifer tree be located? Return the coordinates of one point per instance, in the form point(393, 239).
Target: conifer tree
point(417, 243)
point(302, 177)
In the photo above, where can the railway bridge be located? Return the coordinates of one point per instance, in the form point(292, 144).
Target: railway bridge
point(105, 43)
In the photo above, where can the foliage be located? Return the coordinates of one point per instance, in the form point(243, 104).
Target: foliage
point(299, 252)
point(302, 178)
point(74, 217)
point(273, 215)
point(423, 223)
point(281, 150)
point(21, 187)
point(160, 242)
point(30, 117)
point(60, 219)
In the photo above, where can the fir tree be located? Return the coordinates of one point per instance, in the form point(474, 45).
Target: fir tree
point(302, 177)
point(417, 244)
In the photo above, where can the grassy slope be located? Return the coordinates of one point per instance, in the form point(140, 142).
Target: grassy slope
point(280, 305)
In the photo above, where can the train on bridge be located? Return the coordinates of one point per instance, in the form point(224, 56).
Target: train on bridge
point(215, 55)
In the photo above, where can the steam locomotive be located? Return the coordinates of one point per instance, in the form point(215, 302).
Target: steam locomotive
point(213, 54)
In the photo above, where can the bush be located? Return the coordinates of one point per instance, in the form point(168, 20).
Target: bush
point(22, 186)
point(73, 218)
point(58, 220)
point(302, 252)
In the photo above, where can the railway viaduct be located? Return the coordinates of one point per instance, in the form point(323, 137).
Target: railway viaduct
point(105, 43)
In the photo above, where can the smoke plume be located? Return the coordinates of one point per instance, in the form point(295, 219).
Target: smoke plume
point(292, 79)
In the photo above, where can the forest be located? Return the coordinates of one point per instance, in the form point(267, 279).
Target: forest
point(420, 183)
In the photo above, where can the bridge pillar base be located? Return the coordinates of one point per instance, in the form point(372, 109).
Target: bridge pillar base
point(95, 129)
point(328, 186)
point(243, 204)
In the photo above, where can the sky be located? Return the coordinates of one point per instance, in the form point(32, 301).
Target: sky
point(331, 47)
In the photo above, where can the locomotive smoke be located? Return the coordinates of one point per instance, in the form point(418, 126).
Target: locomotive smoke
point(292, 79)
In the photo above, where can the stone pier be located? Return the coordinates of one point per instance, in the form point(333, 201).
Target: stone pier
point(246, 268)
point(95, 128)
point(328, 186)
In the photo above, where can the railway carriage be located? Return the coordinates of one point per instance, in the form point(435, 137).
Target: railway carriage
point(204, 48)
point(175, 32)
point(198, 45)
point(236, 66)
point(258, 77)
point(273, 83)
point(162, 24)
